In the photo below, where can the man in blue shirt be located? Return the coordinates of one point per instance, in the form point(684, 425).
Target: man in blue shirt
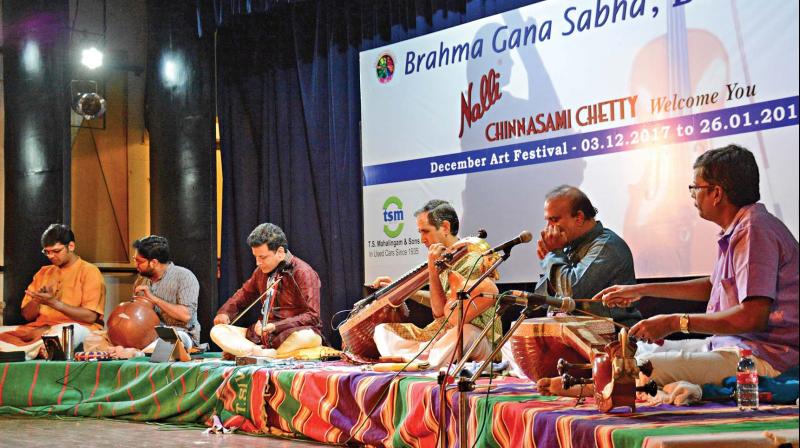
point(580, 257)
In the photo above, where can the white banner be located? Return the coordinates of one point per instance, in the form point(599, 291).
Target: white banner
point(492, 114)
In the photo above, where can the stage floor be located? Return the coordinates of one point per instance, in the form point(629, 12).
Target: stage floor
point(30, 432)
point(338, 403)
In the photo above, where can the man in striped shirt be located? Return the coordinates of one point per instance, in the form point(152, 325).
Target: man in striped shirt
point(172, 290)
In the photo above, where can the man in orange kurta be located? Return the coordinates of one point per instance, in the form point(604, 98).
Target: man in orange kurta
point(69, 291)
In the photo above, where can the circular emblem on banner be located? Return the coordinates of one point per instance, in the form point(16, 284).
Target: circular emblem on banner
point(393, 217)
point(384, 69)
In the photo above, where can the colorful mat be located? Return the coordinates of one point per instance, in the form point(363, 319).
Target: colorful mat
point(332, 403)
point(325, 406)
point(142, 391)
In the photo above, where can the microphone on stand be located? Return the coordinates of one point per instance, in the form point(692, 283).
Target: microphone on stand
point(529, 299)
point(523, 237)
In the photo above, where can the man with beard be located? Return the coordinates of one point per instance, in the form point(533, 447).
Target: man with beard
point(171, 290)
point(70, 291)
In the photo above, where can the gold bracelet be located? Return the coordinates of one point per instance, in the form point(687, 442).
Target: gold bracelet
point(684, 323)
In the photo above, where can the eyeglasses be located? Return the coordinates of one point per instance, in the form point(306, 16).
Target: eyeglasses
point(693, 188)
point(49, 252)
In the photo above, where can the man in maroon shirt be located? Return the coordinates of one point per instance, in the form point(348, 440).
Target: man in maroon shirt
point(288, 291)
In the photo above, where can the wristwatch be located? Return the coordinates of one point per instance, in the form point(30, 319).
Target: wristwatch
point(684, 322)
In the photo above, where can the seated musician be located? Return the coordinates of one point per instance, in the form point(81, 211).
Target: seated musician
point(170, 289)
point(437, 223)
point(752, 293)
point(69, 291)
point(292, 320)
point(580, 257)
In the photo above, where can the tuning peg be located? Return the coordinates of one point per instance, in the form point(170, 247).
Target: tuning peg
point(646, 368)
point(651, 388)
point(564, 366)
point(568, 381)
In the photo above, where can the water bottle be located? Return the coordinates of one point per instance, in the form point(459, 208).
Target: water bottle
point(746, 382)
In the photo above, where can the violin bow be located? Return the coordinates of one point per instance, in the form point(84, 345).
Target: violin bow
point(268, 289)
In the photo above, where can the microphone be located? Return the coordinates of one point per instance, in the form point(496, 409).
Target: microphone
point(528, 299)
point(523, 237)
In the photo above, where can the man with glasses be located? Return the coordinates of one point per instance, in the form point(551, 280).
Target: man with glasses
point(751, 295)
point(69, 291)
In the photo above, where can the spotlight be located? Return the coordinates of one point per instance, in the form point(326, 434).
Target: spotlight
point(89, 105)
point(31, 57)
point(173, 70)
point(170, 72)
point(91, 58)
point(86, 102)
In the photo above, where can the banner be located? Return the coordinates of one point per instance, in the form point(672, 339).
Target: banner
point(617, 98)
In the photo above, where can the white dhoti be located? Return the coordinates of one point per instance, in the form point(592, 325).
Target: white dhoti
point(508, 356)
point(232, 339)
point(691, 360)
point(438, 354)
point(79, 333)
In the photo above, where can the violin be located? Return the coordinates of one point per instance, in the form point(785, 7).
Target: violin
point(614, 374)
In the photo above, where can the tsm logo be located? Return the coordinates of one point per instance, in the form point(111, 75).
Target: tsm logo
point(393, 217)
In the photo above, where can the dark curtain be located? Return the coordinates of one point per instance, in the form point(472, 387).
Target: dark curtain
point(179, 112)
point(37, 144)
point(289, 110)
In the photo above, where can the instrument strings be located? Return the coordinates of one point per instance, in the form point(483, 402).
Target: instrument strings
point(258, 299)
point(590, 314)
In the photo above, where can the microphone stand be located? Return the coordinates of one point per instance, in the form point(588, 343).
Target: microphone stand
point(468, 385)
point(474, 346)
point(462, 398)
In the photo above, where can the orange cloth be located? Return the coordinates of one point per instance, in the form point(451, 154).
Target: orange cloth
point(80, 285)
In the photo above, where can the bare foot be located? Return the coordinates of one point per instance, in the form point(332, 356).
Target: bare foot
point(265, 352)
point(543, 386)
point(554, 386)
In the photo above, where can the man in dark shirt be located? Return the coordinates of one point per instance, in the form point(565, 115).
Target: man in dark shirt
point(580, 257)
point(289, 309)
